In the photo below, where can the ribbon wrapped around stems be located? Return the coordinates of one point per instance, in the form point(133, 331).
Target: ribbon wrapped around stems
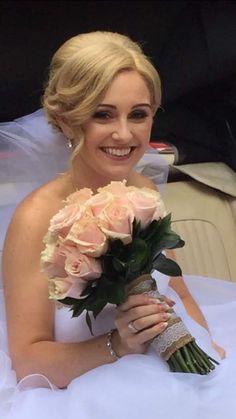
point(175, 344)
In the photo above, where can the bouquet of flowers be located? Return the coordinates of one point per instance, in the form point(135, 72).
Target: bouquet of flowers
point(102, 247)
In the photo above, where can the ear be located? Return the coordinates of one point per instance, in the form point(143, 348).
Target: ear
point(66, 129)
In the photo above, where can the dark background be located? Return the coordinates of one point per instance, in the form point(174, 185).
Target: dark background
point(192, 44)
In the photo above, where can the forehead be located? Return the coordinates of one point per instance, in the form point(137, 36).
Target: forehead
point(127, 85)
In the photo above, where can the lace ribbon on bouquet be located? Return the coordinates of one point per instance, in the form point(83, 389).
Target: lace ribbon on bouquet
point(175, 344)
point(176, 334)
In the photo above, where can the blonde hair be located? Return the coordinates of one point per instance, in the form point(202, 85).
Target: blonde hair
point(81, 71)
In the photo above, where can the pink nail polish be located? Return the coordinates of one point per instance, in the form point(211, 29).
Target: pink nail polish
point(154, 301)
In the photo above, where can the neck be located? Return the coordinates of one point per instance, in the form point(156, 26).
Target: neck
point(88, 179)
point(83, 176)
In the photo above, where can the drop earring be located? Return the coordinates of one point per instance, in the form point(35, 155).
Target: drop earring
point(69, 143)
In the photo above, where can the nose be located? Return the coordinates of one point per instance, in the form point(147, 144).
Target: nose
point(122, 131)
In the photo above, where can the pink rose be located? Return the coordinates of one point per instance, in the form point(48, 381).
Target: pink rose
point(98, 202)
point(115, 188)
point(160, 211)
point(82, 266)
point(146, 203)
point(106, 196)
point(63, 220)
point(60, 288)
point(51, 241)
point(116, 220)
point(56, 267)
point(87, 236)
point(79, 197)
point(52, 262)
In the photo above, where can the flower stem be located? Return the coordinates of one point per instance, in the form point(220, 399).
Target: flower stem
point(200, 351)
point(202, 359)
point(181, 361)
point(189, 361)
point(174, 365)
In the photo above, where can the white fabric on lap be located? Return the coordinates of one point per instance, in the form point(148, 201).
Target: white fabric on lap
point(136, 386)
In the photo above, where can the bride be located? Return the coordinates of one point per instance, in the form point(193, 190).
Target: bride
point(102, 94)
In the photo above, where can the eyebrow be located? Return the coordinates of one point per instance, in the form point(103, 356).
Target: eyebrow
point(133, 107)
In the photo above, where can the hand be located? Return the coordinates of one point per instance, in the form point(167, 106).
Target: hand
point(168, 301)
point(147, 316)
point(219, 350)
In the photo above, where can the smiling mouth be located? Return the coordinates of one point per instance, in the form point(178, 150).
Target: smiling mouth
point(118, 152)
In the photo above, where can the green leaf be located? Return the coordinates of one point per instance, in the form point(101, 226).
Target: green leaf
point(136, 228)
point(152, 229)
point(180, 243)
point(115, 248)
point(89, 323)
point(160, 233)
point(119, 265)
point(89, 288)
point(109, 291)
point(166, 266)
point(79, 307)
point(138, 251)
point(157, 248)
point(68, 301)
point(117, 294)
point(98, 307)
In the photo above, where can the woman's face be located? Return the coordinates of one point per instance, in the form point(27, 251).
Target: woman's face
point(118, 133)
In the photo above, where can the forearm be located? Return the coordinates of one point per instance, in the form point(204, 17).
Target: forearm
point(192, 308)
point(62, 362)
point(194, 311)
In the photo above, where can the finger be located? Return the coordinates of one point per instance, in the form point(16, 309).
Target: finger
point(134, 301)
point(135, 313)
point(170, 302)
point(149, 321)
point(147, 335)
point(161, 304)
point(167, 300)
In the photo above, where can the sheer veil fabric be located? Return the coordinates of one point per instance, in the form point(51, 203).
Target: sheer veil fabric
point(32, 152)
point(135, 386)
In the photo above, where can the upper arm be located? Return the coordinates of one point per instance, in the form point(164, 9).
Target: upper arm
point(179, 286)
point(177, 283)
point(29, 311)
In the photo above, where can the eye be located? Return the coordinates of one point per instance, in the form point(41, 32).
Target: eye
point(103, 115)
point(139, 114)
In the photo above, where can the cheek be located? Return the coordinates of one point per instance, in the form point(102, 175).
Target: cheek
point(144, 132)
point(94, 135)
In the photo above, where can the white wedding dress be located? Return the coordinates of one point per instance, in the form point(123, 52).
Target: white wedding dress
point(135, 386)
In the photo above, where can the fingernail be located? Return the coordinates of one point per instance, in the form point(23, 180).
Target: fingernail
point(165, 316)
point(154, 301)
point(164, 325)
point(165, 306)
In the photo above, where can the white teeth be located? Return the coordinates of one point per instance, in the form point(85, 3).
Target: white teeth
point(117, 151)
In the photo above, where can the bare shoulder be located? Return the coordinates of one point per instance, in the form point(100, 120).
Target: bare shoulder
point(141, 181)
point(31, 217)
point(25, 285)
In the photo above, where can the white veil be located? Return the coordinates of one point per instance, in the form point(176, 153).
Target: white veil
point(32, 152)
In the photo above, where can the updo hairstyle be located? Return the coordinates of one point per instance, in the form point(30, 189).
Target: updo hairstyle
point(81, 71)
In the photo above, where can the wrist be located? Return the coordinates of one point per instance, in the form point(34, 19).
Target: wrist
point(109, 344)
point(119, 347)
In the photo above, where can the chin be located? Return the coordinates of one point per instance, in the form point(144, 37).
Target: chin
point(120, 172)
